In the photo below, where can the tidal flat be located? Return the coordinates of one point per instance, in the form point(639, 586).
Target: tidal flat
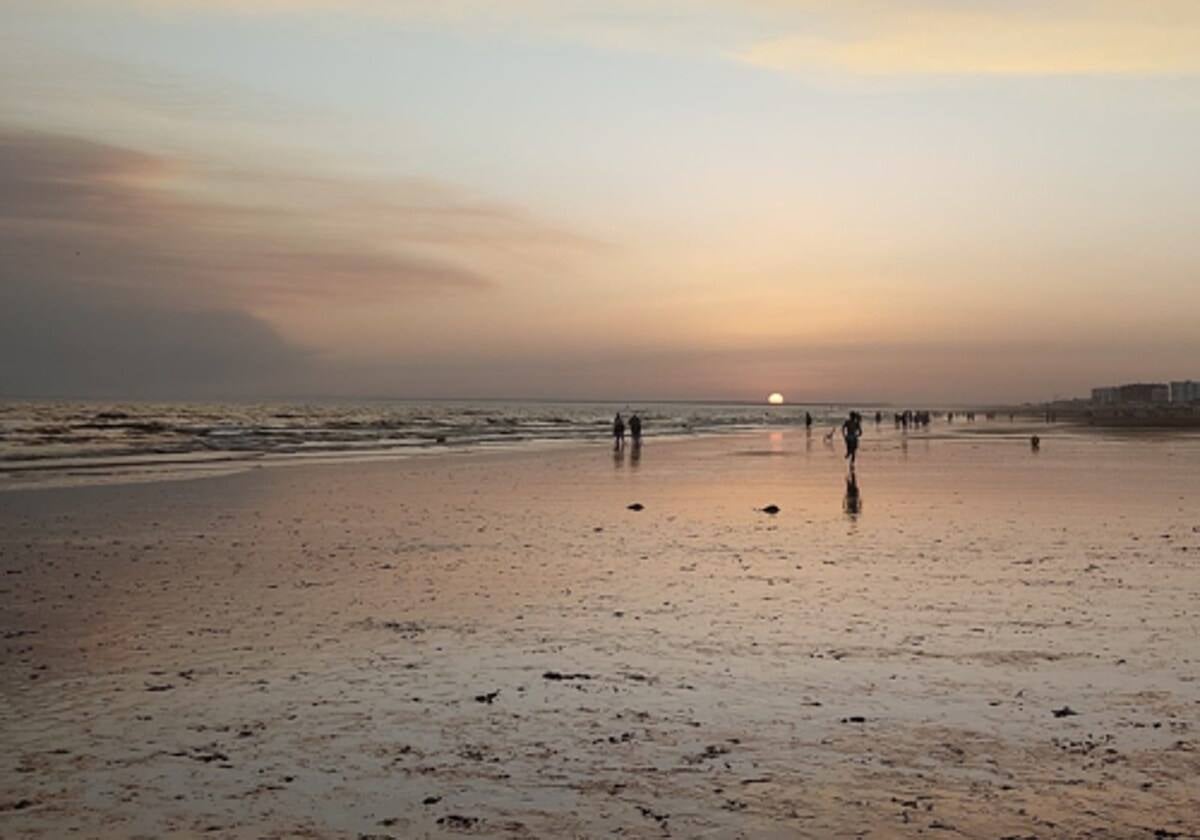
point(973, 640)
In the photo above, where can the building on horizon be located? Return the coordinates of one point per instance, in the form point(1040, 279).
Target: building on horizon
point(1145, 392)
point(1135, 392)
point(1185, 391)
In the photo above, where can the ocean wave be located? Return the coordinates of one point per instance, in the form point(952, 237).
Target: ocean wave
point(83, 433)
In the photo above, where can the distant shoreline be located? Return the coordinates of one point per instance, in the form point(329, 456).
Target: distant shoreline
point(1131, 416)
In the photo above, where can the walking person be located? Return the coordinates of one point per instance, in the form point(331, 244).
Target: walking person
point(851, 432)
point(618, 429)
point(635, 429)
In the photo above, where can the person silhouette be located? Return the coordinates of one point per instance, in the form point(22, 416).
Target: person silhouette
point(635, 429)
point(618, 430)
point(808, 421)
point(851, 432)
point(852, 501)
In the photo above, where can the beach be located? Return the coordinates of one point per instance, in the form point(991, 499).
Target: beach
point(976, 640)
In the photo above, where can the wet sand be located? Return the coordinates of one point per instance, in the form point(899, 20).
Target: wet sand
point(996, 644)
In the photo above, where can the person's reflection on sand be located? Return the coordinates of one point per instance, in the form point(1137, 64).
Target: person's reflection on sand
point(635, 453)
point(618, 457)
point(852, 502)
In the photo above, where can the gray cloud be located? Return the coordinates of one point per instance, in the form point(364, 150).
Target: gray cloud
point(126, 273)
point(120, 212)
point(75, 246)
point(64, 339)
point(114, 283)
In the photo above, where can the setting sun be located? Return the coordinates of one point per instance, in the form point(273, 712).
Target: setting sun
point(775, 399)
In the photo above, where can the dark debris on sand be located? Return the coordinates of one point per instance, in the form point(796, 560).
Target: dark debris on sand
point(707, 754)
point(651, 814)
point(457, 822)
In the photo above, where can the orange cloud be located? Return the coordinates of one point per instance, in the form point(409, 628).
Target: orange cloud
point(1065, 38)
point(859, 37)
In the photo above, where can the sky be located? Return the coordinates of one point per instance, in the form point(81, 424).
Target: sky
point(911, 200)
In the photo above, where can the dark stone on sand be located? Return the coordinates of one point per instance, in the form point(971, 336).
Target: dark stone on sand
point(163, 687)
point(707, 754)
point(408, 629)
point(854, 719)
point(459, 822)
point(623, 738)
point(19, 805)
point(1065, 711)
point(771, 509)
point(635, 506)
point(488, 698)
point(661, 819)
point(431, 800)
point(558, 676)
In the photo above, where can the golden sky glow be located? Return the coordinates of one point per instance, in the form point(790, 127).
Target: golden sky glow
point(839, 200)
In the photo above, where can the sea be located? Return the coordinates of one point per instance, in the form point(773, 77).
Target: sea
point(52, 443)
point(77, 441)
